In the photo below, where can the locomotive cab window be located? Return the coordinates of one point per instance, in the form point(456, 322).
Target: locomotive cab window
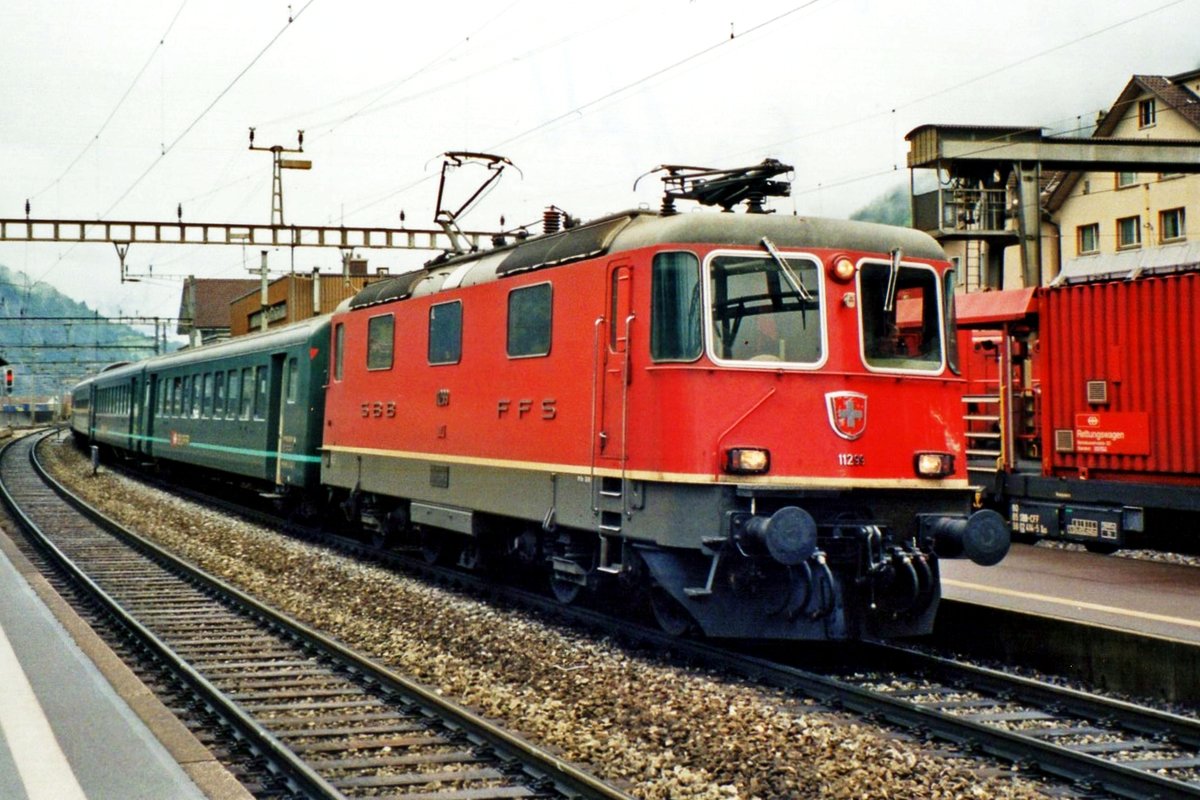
point(675, 308)
point(766, 309)
point(445, 333)
point(380, 341)
point(529, 313)
point(902, 327)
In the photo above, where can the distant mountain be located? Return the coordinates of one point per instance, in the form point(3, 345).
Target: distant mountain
point(51, 341)
point(892, 208)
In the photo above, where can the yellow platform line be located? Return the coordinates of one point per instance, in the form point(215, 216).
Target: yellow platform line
point(1073, 603)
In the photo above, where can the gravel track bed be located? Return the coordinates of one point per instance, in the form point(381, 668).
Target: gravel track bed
point(658, 729)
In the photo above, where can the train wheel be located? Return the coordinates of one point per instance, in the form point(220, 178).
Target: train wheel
point(565, 592)
point(1103, 548)
point(435, 547)
point(672, 617)
point(472, 557)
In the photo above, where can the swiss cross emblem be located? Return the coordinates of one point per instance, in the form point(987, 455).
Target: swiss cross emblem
point(847, 413)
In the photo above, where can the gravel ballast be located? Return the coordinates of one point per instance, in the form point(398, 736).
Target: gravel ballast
point(655, 728)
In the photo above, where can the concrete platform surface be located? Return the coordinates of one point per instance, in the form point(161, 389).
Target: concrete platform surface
point(75, 722)
point(1141, 596)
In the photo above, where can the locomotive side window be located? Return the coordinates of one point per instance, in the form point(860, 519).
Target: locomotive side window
point(675, 329)
point(380, 341)
point(764, 312)
point(529, 314)
point(339, 345)
point(907, 333)
point(951, 323)
point(445, 333)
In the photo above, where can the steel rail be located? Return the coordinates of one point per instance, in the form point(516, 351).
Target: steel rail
point(568, 780)
point(302, 776)
point(1119, 779)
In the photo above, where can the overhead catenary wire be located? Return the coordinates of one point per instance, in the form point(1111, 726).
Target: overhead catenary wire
point(104, 125)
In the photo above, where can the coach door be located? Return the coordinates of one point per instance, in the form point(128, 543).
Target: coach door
point(275, 424)
point(149, 398)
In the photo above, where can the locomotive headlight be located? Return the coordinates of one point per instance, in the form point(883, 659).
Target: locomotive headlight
point(843, 269)
point(934, 465)
point(747, 460)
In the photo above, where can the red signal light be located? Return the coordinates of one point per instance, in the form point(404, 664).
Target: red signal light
point(8, 380)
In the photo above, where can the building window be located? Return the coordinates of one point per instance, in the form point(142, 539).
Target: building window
point(1126, 179)
point(1170, 225)
point(529, 314)
point(445, 333)
point(380, 340)
point(1146, 113)
point(1129, 232)
point(675, 308)
point(1087, 239)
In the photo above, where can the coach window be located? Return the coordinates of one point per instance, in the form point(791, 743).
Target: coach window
point(197, 394)
point(675, 331)
point(339, 345)
point(235, 393)
point(529, 316)
point(766, 309)
point(185, 401)
point(292, 377)
point(445, 333)
point(380, 341)
point(260, 392)
point(901, 324)
point(219, 395)
point(206, 409)
point(176, 396)
point(247, 392)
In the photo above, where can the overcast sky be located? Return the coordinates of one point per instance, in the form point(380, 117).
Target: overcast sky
point(125, 110)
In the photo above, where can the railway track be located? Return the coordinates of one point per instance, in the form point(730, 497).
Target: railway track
point(333, 724)
point(1101, 746)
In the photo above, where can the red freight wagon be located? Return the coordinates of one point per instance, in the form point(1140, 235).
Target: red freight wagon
point(753, 417)
point(1105, 443)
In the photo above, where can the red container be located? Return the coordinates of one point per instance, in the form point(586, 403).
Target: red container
point(1121, 380)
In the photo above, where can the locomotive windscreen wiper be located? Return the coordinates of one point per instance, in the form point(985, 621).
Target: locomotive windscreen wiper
point(889, 297)
point(789, 273)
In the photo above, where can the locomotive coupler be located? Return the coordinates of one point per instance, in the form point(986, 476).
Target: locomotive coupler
point(983, 537)
point(789, 535)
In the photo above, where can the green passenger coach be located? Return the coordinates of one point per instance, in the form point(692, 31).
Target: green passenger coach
point(250, 406)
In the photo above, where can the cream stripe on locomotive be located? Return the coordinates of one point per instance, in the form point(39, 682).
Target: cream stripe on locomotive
point(665, 477)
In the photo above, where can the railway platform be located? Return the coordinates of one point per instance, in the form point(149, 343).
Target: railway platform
point(1144, 597)
point(1127, 625)
point(76, 723)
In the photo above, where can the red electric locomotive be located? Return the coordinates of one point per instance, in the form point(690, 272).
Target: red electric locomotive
point(753, 418)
